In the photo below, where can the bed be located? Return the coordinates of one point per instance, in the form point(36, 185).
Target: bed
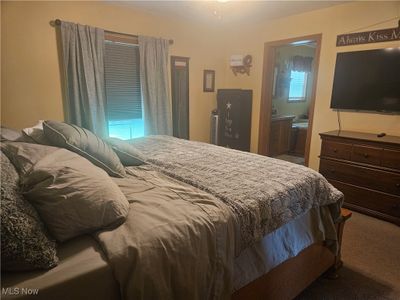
point(84, 273)
point(198, 229)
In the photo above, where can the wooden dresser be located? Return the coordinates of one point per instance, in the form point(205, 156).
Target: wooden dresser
point(366, 168)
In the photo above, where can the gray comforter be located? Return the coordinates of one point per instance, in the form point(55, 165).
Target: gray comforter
point(194, 207)
point(177, 241)
point(263, 193)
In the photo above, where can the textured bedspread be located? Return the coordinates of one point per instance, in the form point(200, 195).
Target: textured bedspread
point(263, 193)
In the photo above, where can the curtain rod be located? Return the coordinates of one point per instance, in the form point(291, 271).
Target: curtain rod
point(57, 22)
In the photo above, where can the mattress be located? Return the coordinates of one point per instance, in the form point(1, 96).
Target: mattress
point(83, 273)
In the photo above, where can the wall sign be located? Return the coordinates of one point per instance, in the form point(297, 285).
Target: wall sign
point(375, 36)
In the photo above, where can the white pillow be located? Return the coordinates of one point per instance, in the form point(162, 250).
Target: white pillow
point(37, 126)
point(35, 133)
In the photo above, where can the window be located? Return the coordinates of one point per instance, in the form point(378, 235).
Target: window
point(122, 81)
point(298, 86)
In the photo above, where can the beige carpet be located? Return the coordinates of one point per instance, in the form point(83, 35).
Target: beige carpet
point(371, 257)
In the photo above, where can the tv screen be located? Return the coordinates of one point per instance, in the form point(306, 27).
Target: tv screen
point(367, 80)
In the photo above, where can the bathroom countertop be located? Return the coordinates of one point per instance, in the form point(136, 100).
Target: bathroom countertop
point(282, 117)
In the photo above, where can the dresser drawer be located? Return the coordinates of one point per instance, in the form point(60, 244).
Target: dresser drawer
point(366, 154)
point(388, 182)
point(391, 159)
point(336, 150)
point(377, 201)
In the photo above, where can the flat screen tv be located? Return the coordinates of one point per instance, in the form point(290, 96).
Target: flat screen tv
point(367, 81)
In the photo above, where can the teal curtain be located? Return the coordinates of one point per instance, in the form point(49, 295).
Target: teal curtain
point(155, 86)
point(83, 65)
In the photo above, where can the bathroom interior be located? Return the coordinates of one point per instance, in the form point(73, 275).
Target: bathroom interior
point(291, 95)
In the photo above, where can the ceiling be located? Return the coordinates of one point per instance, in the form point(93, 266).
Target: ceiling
point(227, 12)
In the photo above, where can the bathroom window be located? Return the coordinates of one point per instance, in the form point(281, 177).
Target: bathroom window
point(298, 86)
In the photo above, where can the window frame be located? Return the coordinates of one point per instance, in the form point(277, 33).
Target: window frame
point(299, 99)
point(120, 38)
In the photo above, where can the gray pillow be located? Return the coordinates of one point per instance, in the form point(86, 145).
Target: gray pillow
point(25, 244)
point(8, 134)
point(25, 155)
point(85, 143)
point(128, 154)
point(73, 196)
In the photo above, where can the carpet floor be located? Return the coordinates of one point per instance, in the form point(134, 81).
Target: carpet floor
point(371, 264)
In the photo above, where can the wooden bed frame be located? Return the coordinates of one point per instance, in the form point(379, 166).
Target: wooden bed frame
point(290, 278)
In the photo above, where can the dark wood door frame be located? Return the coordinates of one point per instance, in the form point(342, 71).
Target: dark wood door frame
point(266, 92)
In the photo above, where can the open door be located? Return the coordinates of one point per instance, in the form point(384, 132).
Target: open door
point(287, 98)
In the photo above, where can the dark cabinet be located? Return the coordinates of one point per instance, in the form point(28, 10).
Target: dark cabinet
point(234, 110)
point(280, 135)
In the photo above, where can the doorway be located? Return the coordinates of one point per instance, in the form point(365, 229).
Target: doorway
point(180, 96)
point(287, 98)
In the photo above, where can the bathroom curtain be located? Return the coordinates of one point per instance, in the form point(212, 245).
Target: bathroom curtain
point(155, 88)
point(83, 66)
point(302, 64)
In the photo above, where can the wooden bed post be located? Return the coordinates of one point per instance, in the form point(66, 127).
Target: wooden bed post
point(346, 214)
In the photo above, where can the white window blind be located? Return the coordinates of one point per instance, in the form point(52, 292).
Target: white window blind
point(298, 84)
point(122, 81)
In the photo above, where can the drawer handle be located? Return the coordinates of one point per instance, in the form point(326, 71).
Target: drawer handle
point(366, 155)
point(335, 150)
point(398, 185)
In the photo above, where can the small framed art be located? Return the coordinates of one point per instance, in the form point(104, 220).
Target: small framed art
point(209, 81)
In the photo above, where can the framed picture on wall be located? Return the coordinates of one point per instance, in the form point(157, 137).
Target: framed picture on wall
point(209, 81)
